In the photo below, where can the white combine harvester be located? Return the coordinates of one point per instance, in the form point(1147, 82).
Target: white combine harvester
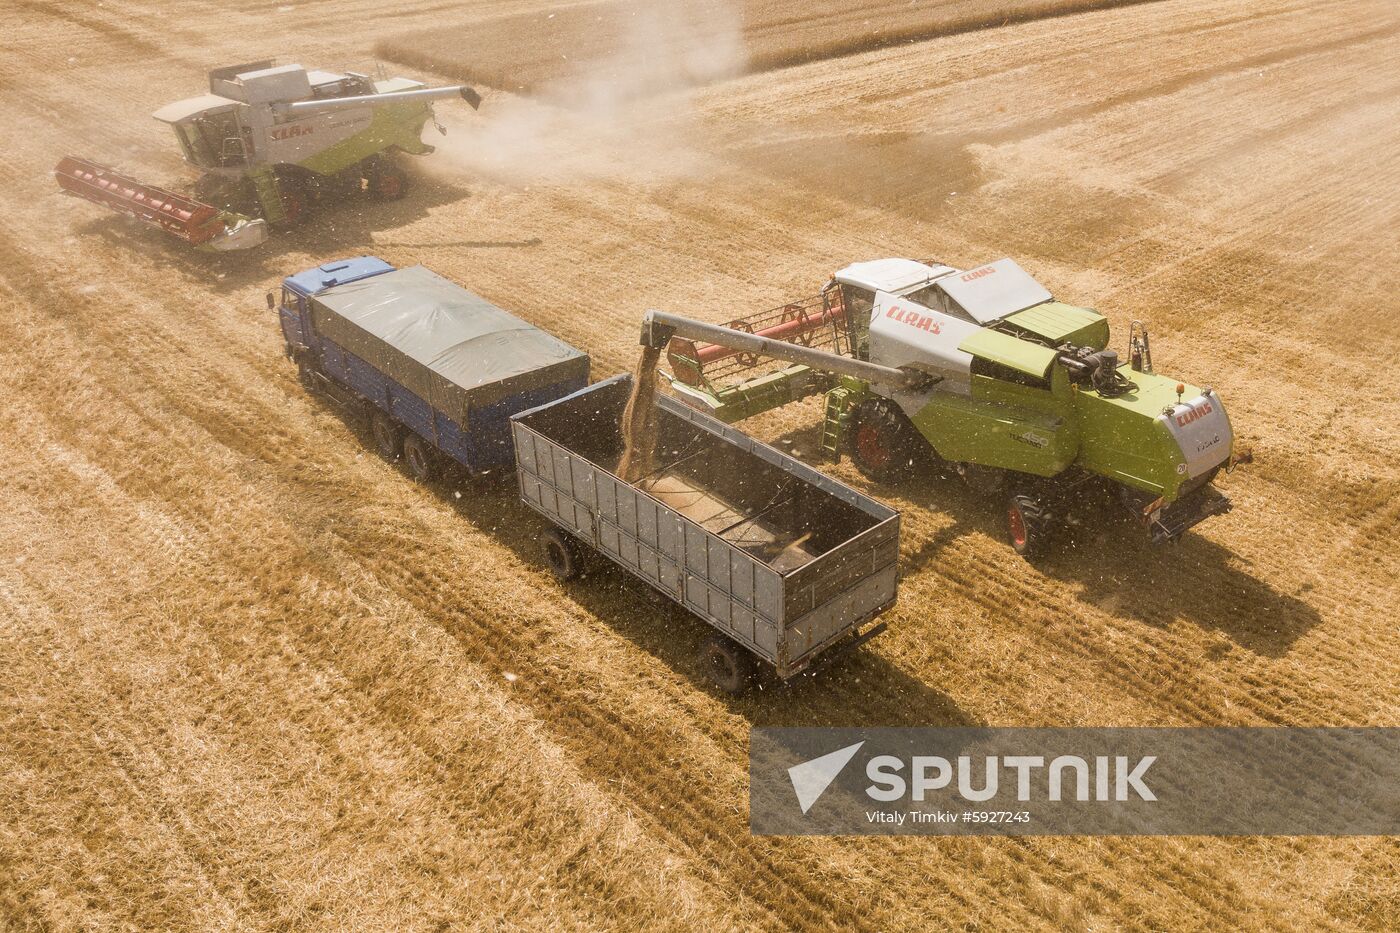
point(270, 143)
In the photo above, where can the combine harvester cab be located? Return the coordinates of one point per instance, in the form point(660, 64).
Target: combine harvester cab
point(269, 143)
point(1016, 392)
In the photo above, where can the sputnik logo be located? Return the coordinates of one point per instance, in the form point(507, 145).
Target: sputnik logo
point(811, 778)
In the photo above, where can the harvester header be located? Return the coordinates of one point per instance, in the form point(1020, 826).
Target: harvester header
point(272, 141)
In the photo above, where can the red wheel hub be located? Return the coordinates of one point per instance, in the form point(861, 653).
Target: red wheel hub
point(871, 446)
point(1017, 523)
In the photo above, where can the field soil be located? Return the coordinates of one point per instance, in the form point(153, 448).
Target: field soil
point(254, 677)
point(642, 46)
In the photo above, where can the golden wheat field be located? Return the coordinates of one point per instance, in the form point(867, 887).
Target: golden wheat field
point(254, 677)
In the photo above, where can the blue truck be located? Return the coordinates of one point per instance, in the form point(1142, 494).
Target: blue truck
point(438, 369)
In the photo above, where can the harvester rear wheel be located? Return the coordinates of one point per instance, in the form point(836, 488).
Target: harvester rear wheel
point(388, 436)
point(727, 663)
point(1028, 525)
point(420, 457)
point(884, 442)
point(388, 183)
point(563, 554)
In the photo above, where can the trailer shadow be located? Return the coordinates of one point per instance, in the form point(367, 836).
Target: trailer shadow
point(1109, 562)
point(332, 232)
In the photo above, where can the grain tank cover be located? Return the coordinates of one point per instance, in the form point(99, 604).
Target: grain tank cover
point(991, 292)
point(452, 348)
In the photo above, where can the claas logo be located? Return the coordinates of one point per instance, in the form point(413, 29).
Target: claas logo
point(1195, 414)
point(291, 130)
point(913, 318)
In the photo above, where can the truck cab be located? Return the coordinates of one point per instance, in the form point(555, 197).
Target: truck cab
point(291, 306)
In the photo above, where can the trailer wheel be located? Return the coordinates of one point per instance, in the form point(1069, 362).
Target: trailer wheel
point(420, 458)
point(1028, 525)
point(885, 441)
point(388, 436)
point(727, 663)
point(563, 554)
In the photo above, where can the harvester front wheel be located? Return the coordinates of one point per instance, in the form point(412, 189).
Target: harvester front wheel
point(1028, 525)
point(296, 197)
point(388, 436)
point(727, 664)
point(884, 443)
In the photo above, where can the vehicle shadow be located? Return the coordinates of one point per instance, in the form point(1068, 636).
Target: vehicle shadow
point(334, 231)
point(1107, 559)
point(858, 687)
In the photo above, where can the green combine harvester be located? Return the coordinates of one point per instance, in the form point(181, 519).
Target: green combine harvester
point(270, 143)
point(981, 373)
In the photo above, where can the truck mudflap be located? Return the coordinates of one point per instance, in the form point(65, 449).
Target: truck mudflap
point(1172, 521)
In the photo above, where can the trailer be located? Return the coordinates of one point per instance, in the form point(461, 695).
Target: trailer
point(438, 369)
point(785, 563)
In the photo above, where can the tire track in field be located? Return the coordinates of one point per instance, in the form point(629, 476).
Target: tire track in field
point(231, 647)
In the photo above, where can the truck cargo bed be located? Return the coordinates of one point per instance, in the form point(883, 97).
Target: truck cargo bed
point(781, 558)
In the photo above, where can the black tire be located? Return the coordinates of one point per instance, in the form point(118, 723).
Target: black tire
point(307, 373)
point(562, 554)
point(420, 457)
point(297, 200)
point(727, 663)
point(1028, 525)
point(387, 182)
point(388, 436)
point(884, 443)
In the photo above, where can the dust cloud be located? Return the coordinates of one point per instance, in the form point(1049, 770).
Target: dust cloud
point(621, 113)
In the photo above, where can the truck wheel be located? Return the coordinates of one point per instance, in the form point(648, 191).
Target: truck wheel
point(388, 183)
point(306, 373)
point(562, 554)
point(420, 458)
point(1027, 525)
point(727, 663)
point(885, 442)
point(388, 436)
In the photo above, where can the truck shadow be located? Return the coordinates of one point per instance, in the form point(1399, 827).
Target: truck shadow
point(332, 232)
point(856, 688)
point(1107, 561)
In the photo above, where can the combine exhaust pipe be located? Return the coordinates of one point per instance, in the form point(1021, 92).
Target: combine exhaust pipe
point(195, 222)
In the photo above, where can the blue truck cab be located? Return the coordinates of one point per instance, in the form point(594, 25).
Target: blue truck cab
point(440, 370)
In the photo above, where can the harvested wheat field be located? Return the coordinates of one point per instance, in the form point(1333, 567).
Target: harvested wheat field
point(254, 677)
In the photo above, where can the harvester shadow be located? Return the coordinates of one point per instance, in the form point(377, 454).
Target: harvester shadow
point(1108, 561)
point(332, 232)
point(856, 688)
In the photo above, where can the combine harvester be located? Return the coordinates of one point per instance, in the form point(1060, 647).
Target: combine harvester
point(984, 371)
point(271, 142)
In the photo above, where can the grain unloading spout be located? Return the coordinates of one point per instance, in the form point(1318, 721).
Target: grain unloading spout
point(658, 328)
point(463, 91)
point(195, 222)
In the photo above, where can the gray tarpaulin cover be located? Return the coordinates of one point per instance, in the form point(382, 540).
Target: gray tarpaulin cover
point(454, 349)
